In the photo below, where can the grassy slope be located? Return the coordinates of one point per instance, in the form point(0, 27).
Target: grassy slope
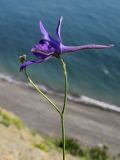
point(17, 142)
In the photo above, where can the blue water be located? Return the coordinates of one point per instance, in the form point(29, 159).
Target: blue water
point(93, 73)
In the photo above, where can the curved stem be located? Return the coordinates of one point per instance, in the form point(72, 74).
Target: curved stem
point(66, 84)
point(64, 105)
point(41, 93)
point(61, 113)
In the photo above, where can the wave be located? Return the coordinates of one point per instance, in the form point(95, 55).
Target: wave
point(93, 102)
point(6, 78)
point(78, 99)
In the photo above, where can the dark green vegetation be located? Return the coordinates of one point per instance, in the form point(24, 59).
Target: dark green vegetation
point(94, 153)
point(72, 147)
point(97, 153)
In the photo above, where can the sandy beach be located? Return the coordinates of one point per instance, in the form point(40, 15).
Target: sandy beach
point(90, 125)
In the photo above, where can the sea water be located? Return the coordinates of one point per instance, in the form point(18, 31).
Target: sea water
point(94, 74)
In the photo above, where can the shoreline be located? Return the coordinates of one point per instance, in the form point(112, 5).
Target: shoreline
point(90, 125)
point(84, 100)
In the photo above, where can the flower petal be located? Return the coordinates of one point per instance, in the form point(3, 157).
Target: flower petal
point(48, 38)
point(58, 30)
point(27, 63)
point(41, 54)
point(43, 31)
point(66, 49)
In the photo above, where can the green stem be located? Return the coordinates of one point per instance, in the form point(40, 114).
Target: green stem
point(41, 93)
point(63, 135)
point(64, 105)
point(61, 113)
point(66, 84)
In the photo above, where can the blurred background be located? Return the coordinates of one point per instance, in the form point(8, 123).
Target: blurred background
point(92, 73)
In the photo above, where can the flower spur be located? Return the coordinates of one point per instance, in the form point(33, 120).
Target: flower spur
point(49, 47)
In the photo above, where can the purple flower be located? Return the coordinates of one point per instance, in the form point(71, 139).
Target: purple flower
point(49, 47)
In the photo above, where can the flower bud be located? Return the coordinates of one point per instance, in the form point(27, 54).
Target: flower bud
point(22, 58)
